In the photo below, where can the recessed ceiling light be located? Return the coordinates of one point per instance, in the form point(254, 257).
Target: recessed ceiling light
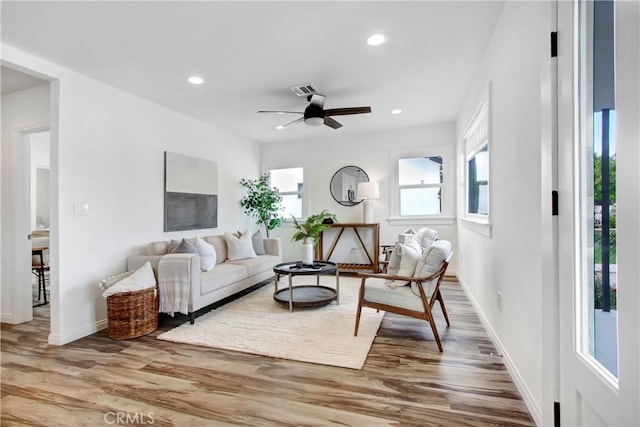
point(396, 111)
point(279, 127)
point(195, 80)
point(376, 39)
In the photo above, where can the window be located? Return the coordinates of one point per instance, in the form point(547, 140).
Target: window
point(478, 178)
point(290, 184)
point(420, 183)
point(422, 186)
point(476, 146)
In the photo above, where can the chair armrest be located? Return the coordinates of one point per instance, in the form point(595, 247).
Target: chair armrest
point(401, 278)
point(387, 276)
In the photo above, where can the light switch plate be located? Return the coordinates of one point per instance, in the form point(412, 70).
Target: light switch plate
point(81, 208)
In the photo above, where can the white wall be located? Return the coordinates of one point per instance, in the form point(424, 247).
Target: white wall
point(322, 157)
point(107, 149)
point(21, 111)
point(39, 160)
point(510, 260)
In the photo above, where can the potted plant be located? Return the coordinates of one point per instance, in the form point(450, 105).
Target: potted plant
point(309, 232)
point(262, 202)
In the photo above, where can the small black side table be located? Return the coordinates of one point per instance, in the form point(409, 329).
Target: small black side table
point(306, 295)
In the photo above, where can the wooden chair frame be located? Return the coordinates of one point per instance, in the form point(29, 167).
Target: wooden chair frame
point(427, 303)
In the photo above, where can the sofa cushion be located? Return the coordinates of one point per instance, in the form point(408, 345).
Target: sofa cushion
point(183, 247)
point(224, 274)
point(207, 254)
point(258, 243)
point(257, 265)
point(239, 247)
point(157, 248)
point(220, 245)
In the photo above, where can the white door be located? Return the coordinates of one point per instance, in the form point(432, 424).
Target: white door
point(599, 227)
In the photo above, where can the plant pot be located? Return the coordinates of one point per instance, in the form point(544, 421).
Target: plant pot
point(307, 251)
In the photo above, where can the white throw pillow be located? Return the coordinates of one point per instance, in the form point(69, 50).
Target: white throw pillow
point(207, 254)
point(239, 247)
point(142, 278)
point(403, 260)
point(426, 236)
point(429, 263)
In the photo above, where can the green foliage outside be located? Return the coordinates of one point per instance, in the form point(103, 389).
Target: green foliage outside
point(262, 202)
point(312, 227)
point(597, 180)
point(597, 196)
point(598, 246)
point(597, 294)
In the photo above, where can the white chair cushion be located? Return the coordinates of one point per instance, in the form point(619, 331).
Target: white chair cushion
point(377, 290)
point(429, 263)
point(426, 236)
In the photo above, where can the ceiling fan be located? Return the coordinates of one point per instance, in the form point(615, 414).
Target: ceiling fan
point(316, 115)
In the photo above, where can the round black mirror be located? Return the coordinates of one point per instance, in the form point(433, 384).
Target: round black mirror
point(344, 185)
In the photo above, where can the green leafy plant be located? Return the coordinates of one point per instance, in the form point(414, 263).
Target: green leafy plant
point(312, 227)
point(262, 202)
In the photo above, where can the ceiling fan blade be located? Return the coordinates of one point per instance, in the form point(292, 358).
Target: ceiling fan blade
point(301, 119)
point(317, 100)
point(346, 111)
point(332, 123)
point(281, 112)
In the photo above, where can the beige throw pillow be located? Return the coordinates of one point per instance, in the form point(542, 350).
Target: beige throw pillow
point(239, 247)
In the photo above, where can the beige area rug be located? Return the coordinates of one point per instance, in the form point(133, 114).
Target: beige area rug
point(257, 324)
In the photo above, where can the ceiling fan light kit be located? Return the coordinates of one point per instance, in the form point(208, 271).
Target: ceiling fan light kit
point(315, 114)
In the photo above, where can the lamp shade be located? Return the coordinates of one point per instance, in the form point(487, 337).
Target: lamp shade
point(368, 191)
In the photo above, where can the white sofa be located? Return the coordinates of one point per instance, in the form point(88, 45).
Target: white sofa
point(225, 279)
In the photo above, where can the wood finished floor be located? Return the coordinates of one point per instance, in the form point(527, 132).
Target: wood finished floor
point(405, 381)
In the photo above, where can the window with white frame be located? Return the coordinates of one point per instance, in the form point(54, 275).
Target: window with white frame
point(290, 184)
point(476, 145)
point(420, 185)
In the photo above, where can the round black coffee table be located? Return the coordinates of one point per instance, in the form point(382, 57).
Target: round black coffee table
point(306, 295)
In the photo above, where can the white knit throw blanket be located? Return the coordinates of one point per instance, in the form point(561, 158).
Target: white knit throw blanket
point(174, 277)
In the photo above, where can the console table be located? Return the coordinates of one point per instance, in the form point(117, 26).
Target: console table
point(371, 254)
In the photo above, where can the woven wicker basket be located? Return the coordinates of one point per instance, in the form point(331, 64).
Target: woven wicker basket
point(132, 314)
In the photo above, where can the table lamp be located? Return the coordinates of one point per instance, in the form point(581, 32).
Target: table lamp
point(368, 191)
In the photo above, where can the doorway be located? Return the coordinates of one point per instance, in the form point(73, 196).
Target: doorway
point(39, 149)
point(598, 156)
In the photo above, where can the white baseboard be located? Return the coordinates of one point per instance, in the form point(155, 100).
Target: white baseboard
point(6, 318)
point(521, 385)
point(76, 334)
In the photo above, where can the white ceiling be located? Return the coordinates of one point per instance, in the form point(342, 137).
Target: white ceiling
point(251, 53)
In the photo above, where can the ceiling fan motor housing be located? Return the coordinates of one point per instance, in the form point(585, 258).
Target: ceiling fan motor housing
point(314, 115)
